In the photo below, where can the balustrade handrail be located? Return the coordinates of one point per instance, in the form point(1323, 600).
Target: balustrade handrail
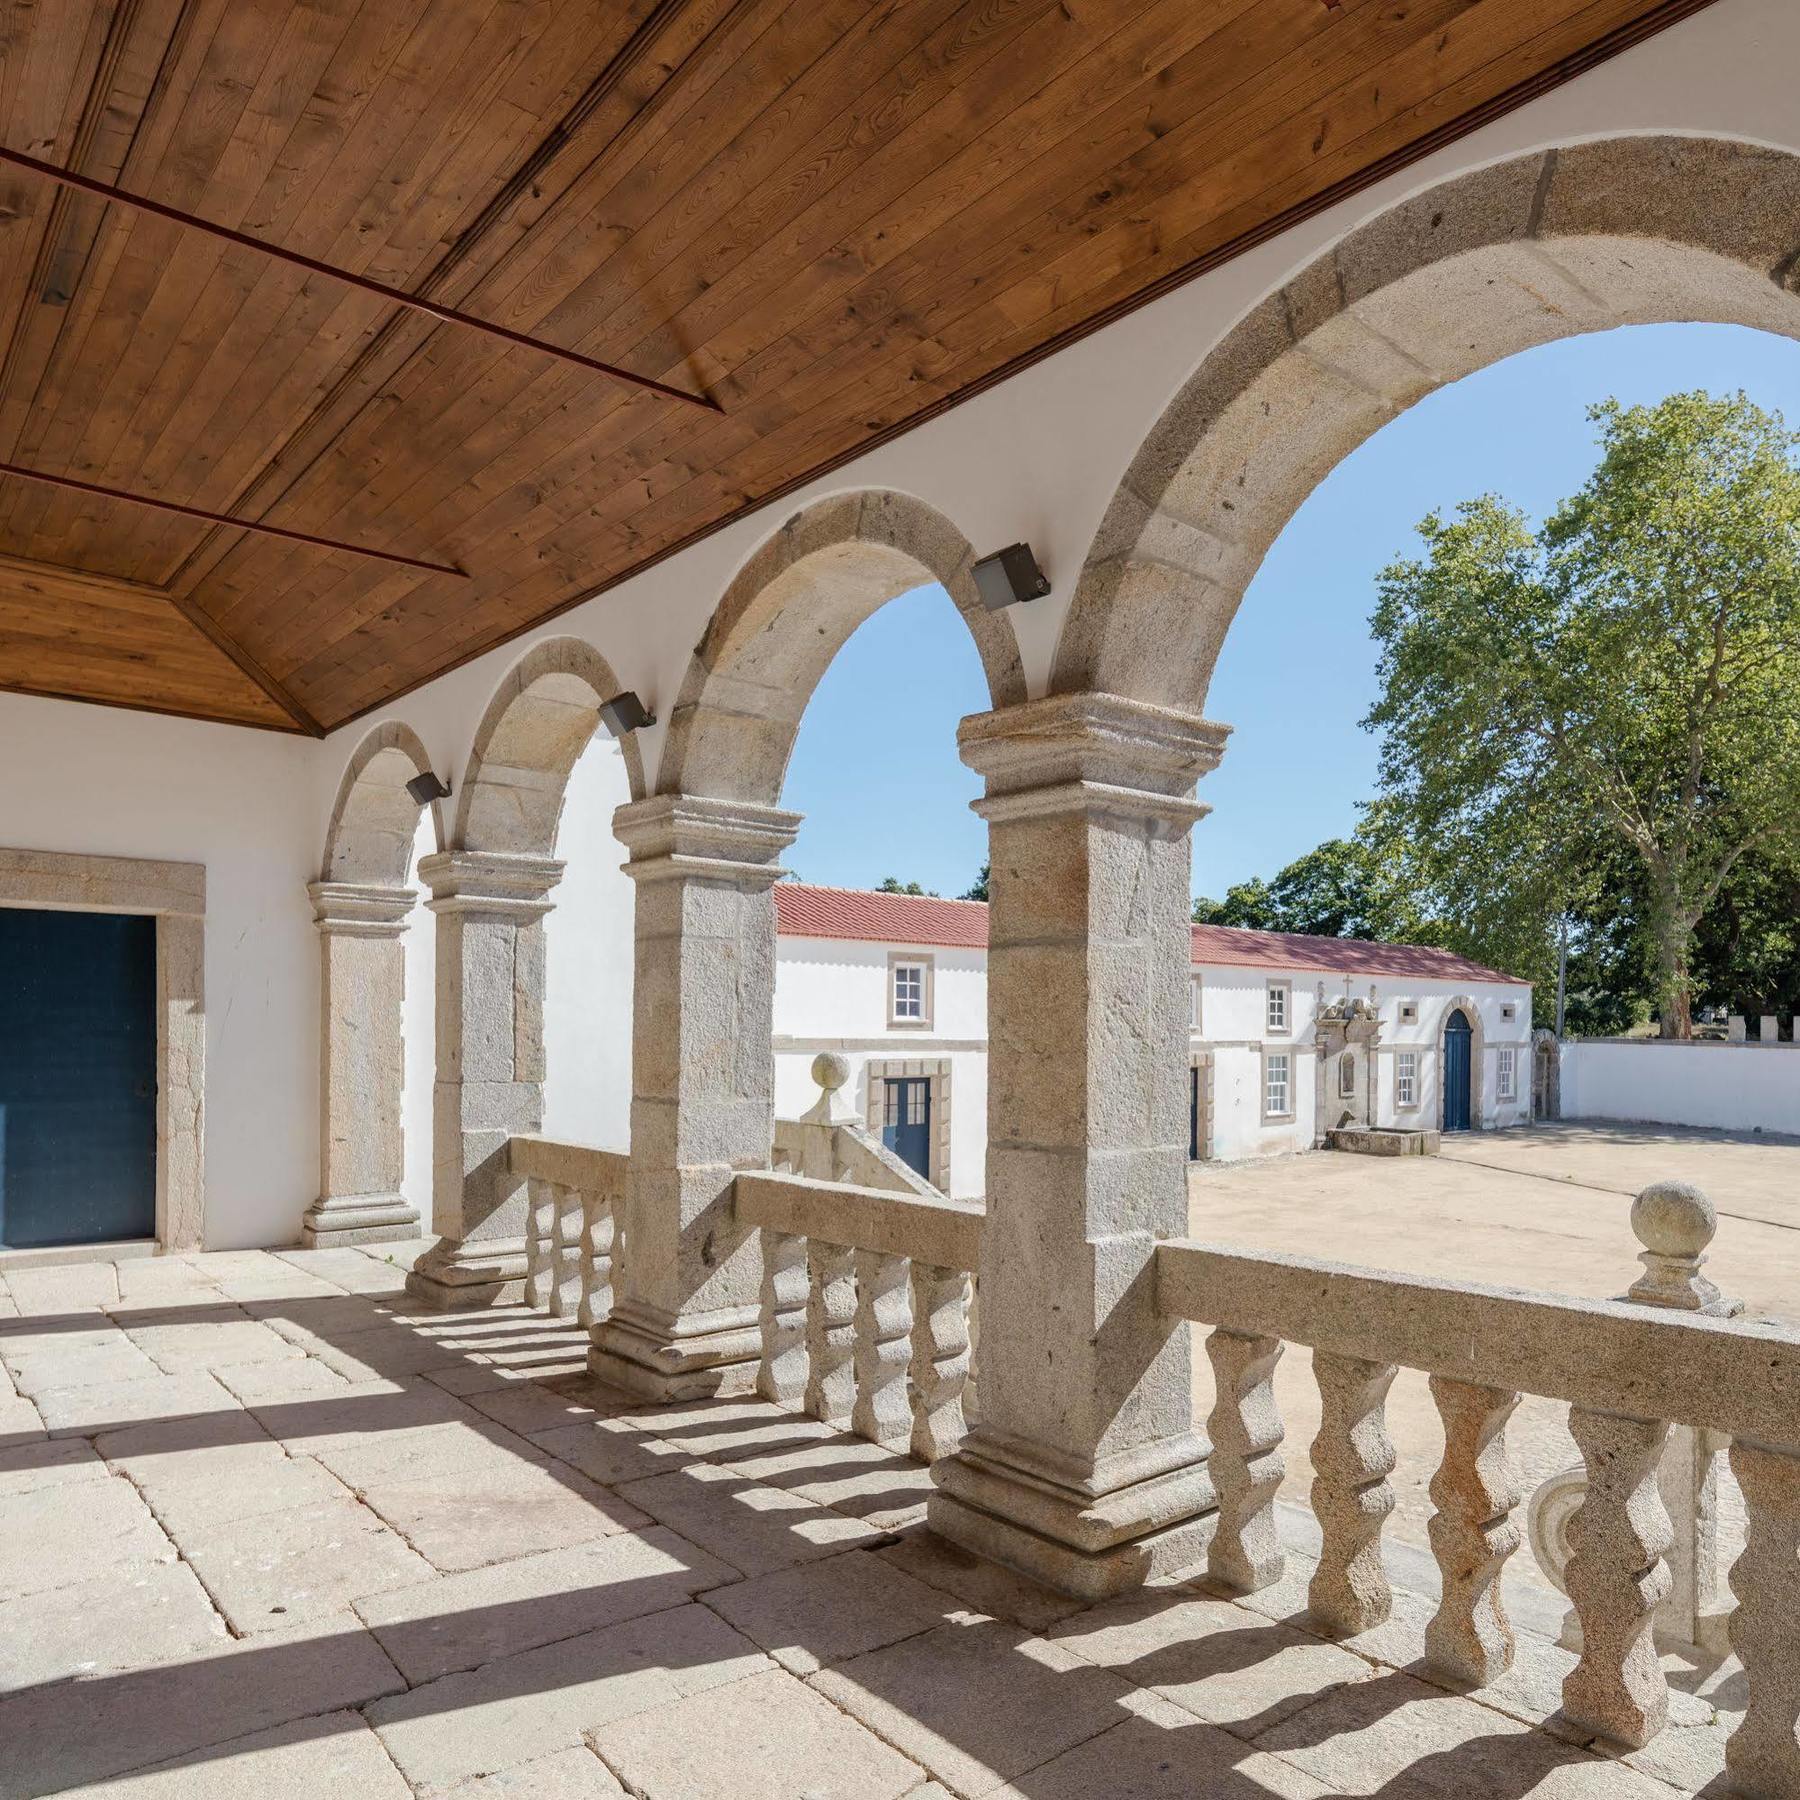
point(929, 1229)
point(1739, 1376)
point(565, 1163)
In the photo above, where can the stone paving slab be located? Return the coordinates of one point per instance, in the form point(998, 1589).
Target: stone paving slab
point(268, 1571)
point(56, 1462)
point(568, 1775)
point(388, 1351)
point(521, 1708)
point(847, 1474)
point(334, 1755)
point(119, 1618)
point(976, 1702)
point(462, 1621)
point(45, 1542)
point(982, 1586)
point(445, 1447)
point(766, 1738)
point(276, 1383)
point(20, 1422)
point(62, 1288)
point(355, 1414)
point(48, 1367)
point(192, 1504)
point(204, 1343)
point(108, 1405)
point(754, 1529)
point(827, 1612)
point(136, 1719)
point(525, 1407)
point(608, 1451)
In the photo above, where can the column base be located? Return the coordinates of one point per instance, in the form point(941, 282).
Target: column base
point(1084, 1542)
point(660, 1357)
point(454, 1276)
point(358, 1219)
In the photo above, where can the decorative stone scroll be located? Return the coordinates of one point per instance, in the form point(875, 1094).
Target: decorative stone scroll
point(1246, 1464)
point(1473, 1531)
point(1352, 1458)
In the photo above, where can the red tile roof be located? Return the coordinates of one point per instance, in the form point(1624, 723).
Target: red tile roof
point(922, 919)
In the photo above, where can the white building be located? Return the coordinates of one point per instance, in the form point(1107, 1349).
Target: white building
point(1290, 1035)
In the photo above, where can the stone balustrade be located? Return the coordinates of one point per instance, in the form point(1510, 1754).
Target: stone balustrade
point(571, 1236)
point(1632, 1370)
point(865, 1305)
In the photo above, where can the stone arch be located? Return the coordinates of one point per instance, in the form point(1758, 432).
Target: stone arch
point(373, 820)
point(536, 726)
point(788, 612)
point(1617, 231)
point(1478, 1084)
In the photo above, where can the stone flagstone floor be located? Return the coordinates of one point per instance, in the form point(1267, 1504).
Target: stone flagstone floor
point(268, 1529)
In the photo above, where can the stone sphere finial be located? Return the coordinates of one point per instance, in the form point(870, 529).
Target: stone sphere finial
point(1675, 1222)
point(830, 1070)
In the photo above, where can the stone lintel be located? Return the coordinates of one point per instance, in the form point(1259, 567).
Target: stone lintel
point(674, 835)
point(494, 884)
point(1090, 751)
point(360, 909)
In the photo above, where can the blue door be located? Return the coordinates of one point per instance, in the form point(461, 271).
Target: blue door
point(906, 1121)
point(77, 1078)
point(1457, 1038)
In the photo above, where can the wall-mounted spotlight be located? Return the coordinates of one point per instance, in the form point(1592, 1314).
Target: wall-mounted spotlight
point(1009, 576)
point(427, 788)
point(625, 712)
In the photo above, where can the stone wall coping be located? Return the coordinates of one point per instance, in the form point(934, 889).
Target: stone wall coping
point(588, 1168)
point(941, 1232)
point(1659, 1043)
point(77, 882)
point(1740, 1376)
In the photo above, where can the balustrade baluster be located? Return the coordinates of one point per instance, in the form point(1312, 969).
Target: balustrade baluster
point(1246, 1463)
point(781, 1377)
point(940, 1359)
point(1352, 1457)
point(831, 1332)
point(1763, 1755)
point(882, 1411)
point(1617, 1578)
point(599, 1251)
point(565, 1286)
point(539, 1241)
point(1473, 1531)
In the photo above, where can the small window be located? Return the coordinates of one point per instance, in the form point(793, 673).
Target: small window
point(1409, 1012)
point(1277, 1086)
point(1347, 1075)
point(1509, 1011)
point(1279, 1005)
point(1509, 1074)
point(910, 983)
point(1406, 1078)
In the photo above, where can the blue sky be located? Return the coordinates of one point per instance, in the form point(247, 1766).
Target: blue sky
point(875, 767)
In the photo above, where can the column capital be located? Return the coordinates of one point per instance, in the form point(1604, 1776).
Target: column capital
point(672, 835)
point(359, 909)
point(1091, 753)
point(497, 884)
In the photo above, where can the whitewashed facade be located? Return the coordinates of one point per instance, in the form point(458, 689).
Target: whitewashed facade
point(872, 977)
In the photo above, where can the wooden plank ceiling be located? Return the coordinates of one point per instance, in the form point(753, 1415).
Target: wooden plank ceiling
point(833, 218)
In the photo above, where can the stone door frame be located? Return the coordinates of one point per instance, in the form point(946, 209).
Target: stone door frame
point(935, 1069)
point(174, 894)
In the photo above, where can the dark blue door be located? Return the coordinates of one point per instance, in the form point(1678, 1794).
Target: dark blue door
point(77, 1077)
point(1457, 1038)
point(906, 1121)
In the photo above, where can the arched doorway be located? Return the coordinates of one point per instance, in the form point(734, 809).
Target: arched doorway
point(1459, 1040)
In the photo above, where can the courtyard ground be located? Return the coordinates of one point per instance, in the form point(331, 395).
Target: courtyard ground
point(268, 1529)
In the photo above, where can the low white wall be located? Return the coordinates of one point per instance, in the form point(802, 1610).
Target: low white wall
point(1730, 1087)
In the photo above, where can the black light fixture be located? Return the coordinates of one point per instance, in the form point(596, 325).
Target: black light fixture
point(625, 712)
point(1009, 576)
point(428, 787)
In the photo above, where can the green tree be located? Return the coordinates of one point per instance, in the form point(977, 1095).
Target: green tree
point(1357, 887)
point(891, 884)
point(978, 888)
point(1622, 679)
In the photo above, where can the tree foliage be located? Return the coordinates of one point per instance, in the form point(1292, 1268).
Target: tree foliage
point(1596, 721)
point(892, 884)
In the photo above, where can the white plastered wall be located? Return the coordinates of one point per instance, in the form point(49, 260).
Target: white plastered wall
point(253, 807)
point(1731, 1087)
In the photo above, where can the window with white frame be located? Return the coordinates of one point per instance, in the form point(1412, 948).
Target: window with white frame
point(1508, 1088)
point(1278, 1085)
point(1409, 1012)
point(1280, 1005)
point(1508, 1011)
point(1406, 1078)
point(909, 991)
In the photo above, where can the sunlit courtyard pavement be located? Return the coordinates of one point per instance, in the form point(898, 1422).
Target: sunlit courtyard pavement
point(266, 1529)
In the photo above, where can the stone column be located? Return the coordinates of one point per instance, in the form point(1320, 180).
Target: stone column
point(684, 1318)
point(362, 1065)
point(1085, 1470)
point(490, 908)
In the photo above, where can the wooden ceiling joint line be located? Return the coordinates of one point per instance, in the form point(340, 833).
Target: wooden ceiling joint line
point(157, 504)
point(443, 315)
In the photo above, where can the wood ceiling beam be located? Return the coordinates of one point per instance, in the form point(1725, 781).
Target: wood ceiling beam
point(442, 315)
